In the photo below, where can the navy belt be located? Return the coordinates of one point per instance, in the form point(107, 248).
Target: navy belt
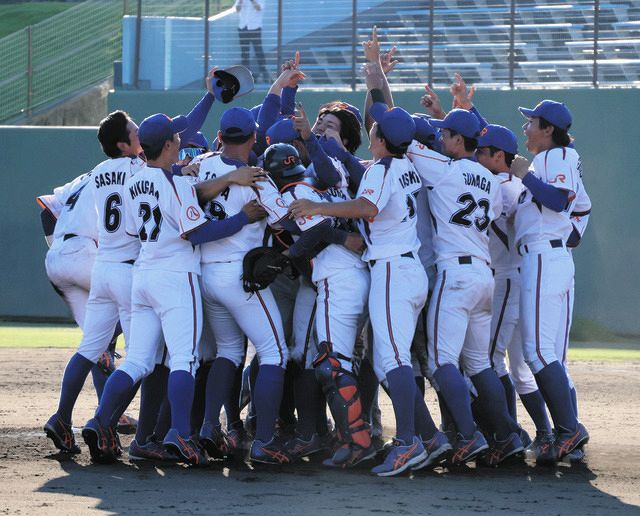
point(553, 243)
point(68, 236)
point(129, 262)
point(408, 254)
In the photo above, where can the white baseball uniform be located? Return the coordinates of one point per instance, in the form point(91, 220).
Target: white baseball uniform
point(505, 262)
point(464, 197)
point(232, 312)
point(341, 280)
point(398, 280)
point(547, 267)
point(71, 257)
point(110, 296)
point(161, 210)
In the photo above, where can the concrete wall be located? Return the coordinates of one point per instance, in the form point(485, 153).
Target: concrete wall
point(605, 124)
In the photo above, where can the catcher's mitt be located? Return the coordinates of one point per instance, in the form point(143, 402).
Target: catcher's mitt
point(260, 267)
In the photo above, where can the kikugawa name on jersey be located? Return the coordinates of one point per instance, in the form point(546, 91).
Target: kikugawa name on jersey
point(143, 187)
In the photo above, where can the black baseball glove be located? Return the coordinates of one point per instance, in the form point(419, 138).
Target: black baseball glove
point(261, 266)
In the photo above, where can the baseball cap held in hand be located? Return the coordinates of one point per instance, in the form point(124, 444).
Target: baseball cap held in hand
point(396, 124)
point(232, 82)
point(157, 129)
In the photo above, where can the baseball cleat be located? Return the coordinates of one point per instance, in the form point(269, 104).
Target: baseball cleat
point(185, 449)
point(539, 443)
point(577, 455)
point(466, 450)
point(350, 455)
point(299, 447)
point(438, 449)
point(213, 439)
point(566, 442)
point(272, 452)
point(151, 450)
point(236, 441)
point(127, 425)
point(106, 363)
point(101, 441)
point(499, 451)
point(401, 457)
point(62, 435)
point(524, 437)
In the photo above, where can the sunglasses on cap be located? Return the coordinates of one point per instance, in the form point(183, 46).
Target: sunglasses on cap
point(191, 152)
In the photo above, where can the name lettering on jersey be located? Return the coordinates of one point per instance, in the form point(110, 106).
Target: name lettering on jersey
point(410, 177)
point(336, 192)
point(110, 178)
point(477, 181)
point(560, 177)
point(143, 187)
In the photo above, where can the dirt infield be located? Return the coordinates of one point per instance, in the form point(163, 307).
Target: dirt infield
point(34, 480)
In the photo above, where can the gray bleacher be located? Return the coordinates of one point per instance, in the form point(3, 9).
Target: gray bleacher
point(553, 42)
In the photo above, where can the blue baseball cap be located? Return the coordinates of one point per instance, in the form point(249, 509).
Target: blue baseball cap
point(556, 113)
point(199, 140)
point(255, 111)
point(157, 129)
point(281, 132)
point(461, 121)
point(396, 124)
point(425, 134)
point(499, 137)
point(237, 121)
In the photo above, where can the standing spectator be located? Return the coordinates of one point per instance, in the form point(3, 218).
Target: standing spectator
point(250, 14)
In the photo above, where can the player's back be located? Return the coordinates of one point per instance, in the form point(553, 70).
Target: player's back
point(229, 203)
point(502, 231)
point(394, 184)
point(108, 182)
point(78, 215)
point(561, 168)
point(161, 209)
point(464, 197)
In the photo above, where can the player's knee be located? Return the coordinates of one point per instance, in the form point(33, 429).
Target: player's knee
point(233, 355)
point(274, 355)
point(137, 369)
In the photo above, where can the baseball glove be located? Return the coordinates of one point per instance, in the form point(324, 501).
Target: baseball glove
point(261, 266)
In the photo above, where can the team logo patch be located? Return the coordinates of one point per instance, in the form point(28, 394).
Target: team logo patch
point(280, 202)
point(368, 191)
point(484, 131)
point(289, 160)
point(560, 177)
point(193, 213)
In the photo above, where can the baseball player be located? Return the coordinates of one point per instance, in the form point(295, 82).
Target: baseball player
point(338, 319)
point(543, 226)
point(385, 206)
point(464, 198)
point(163, 212)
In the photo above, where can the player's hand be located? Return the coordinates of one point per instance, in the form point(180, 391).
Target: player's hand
point(254, 211)
point(304, 208)
point(209, 79)
point(461, 95)
point(355, 243)
point(290, 78)
point(334, 135)
point(301, 122)
point(373, 76)
point(519, 166)
point(247, 176)
point(291, 64)
point(190, 170)
point(372, 47)
point(387, 60)
point(431, 102)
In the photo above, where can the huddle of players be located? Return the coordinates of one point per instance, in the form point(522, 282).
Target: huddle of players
point(188, 237)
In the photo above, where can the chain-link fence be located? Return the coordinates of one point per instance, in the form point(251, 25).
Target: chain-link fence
point(499, 43)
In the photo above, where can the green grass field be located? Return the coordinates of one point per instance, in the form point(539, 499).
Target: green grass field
point(14, 17)
point(23, 335)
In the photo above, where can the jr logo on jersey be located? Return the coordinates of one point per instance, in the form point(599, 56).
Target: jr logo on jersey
point(368, 191)
point(560, 177)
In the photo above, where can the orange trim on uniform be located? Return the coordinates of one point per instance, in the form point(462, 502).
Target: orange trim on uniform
point(428, 157)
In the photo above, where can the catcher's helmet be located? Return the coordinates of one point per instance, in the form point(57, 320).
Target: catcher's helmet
point(283, 160)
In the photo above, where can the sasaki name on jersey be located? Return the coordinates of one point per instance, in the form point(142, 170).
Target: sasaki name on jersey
point(409, 177)
point(110, 178)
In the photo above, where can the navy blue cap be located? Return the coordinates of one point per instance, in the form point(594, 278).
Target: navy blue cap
point(157, 129)
point(396, 124)
point(556, 113)
point(255, 111)
point(281, 132)
point(425, 134)
point(499, 137)
point(461, 121)
point(237, 121)
point(199, 140)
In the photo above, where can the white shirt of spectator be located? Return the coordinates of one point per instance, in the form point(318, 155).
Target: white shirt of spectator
point(249, 16)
